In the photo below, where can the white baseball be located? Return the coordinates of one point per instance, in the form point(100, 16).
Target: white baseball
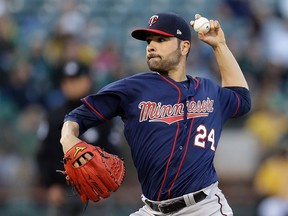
point(202, 25)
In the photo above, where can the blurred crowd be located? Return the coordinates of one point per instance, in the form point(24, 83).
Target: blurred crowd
point(38, 37)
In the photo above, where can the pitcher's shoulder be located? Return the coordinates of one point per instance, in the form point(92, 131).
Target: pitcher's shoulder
point(144, 75)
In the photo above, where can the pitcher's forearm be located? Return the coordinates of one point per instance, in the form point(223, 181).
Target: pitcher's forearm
point(69, 135)
point(230, 70)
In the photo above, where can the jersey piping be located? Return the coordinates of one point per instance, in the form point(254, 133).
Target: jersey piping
point(184, 156)
point(175, 139)
point(174, 143)
point(94, 110)
point(238, 105)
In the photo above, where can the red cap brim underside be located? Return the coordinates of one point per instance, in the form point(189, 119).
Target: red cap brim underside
point(141, 34)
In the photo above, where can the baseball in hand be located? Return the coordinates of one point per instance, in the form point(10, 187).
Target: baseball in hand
point(202, 25)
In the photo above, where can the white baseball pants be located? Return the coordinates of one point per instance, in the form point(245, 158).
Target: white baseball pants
point(215, 204)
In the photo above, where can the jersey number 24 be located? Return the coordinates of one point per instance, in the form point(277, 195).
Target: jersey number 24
point(203, 137)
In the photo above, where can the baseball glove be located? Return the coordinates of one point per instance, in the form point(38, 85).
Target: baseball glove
point(100, 175)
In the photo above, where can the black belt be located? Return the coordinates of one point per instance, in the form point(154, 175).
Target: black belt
point(176, 205)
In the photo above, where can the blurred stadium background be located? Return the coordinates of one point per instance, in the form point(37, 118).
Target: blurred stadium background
point(36, 35)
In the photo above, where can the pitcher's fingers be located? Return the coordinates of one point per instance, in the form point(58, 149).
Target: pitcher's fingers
point(192, 23)
point(76, 164)
point(197, 16)
point(88, 156)
point(82, 160)
point(217, 24)
point(212, 25)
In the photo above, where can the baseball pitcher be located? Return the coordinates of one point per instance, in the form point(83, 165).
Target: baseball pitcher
point(172, 123)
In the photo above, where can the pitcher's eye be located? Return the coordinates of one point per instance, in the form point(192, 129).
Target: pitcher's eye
point(161, 40)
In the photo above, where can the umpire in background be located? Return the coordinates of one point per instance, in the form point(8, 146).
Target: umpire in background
point(75, 83)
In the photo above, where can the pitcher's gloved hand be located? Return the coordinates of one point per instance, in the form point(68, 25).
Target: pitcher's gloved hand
point(94, 173)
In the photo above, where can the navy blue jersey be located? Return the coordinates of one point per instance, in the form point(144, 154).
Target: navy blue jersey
point(172, 129)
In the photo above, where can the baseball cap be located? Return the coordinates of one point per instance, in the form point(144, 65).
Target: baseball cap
point(168, 24)
point(73, 69)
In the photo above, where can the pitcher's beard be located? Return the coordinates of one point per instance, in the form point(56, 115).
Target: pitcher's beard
point(158, 67)
point(163, 66)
